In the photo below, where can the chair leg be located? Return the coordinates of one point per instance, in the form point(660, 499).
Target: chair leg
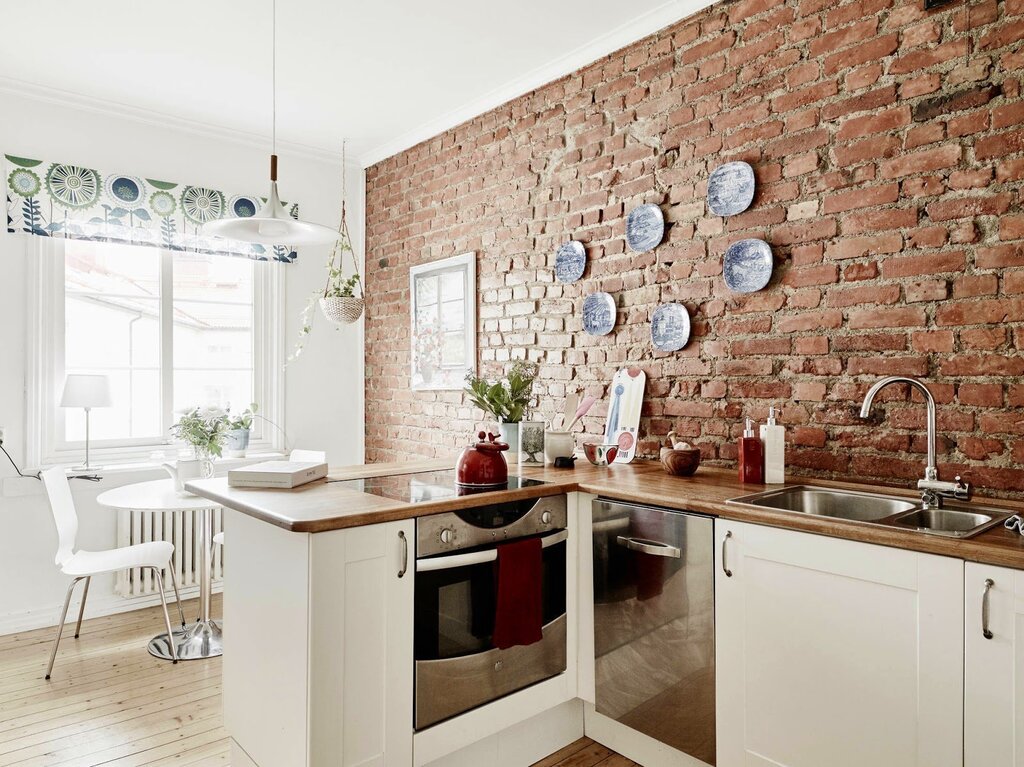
point(167, 616)
point(60, 626)
point(81, 609)
point(177, 594)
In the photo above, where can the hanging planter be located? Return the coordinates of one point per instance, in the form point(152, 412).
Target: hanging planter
point(341, 300)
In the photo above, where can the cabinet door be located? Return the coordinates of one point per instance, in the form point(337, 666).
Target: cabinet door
point(994, 667)
point(361, 669)
point(833, 652)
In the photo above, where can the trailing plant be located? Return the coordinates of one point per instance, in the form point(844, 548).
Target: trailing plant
point(244, 419)
point(508, 399)
point(202, 428)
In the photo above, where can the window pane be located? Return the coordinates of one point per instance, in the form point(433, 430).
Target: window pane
point(213, 331)
point(453, 352)
point(426, 290)
point(453, 284)
point(112, 326)
point(453, 315)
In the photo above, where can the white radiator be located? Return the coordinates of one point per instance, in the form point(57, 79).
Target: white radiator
point(180, 528)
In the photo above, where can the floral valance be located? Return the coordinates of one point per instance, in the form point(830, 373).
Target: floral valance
point(52, 199)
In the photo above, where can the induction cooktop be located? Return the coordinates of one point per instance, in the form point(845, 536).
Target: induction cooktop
point(425, 486)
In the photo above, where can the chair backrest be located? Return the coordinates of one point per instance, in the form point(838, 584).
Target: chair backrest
point(320, 456)
point(62, 506)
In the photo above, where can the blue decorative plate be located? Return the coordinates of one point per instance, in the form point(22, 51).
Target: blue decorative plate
point(598, 314)
point(748, 265)
point(570, 261)
point(645, 227)
point(731, 188)
point(670, 327)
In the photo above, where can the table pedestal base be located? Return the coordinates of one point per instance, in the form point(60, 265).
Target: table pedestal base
point(200, 640)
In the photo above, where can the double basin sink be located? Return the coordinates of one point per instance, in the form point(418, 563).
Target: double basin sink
point(954, 519)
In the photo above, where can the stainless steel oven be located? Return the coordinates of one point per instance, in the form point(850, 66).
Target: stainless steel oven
point(457, 666)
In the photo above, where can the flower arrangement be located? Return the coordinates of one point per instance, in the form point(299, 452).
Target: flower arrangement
point(508, 399)
point(204, 429)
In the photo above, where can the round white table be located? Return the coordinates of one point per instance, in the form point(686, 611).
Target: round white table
point(202, 639)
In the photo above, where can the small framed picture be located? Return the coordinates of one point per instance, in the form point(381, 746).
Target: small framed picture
point(531, 443)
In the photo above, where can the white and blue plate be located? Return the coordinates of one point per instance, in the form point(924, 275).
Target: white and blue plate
point(731, 188)
point(570, 261)
point(670, 327)
point(598, 314)
point(748, 265)
point(645, 228)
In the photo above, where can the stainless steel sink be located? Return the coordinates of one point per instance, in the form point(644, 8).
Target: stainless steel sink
point(824, 502)
point(952, 522)
point(955, 519)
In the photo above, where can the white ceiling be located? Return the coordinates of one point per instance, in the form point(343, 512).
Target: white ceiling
point(384, 74)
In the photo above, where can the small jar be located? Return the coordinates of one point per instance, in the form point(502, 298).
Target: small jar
point(558, 444)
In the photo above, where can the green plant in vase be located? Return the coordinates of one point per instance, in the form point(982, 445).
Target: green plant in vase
point(508, 399)
point(239, 430)
point(203, 429)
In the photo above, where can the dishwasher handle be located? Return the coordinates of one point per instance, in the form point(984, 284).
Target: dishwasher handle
point(654, 548)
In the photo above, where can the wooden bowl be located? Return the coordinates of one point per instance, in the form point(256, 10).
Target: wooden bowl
point(680, 463)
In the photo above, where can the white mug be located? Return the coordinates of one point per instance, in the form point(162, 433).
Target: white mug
point(187, 469)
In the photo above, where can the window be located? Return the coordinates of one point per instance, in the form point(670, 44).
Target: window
point(171, 330)
point(443, 322)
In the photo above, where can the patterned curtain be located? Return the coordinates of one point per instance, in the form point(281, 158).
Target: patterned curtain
point(52, 199)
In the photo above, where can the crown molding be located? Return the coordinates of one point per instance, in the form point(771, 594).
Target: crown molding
point(46, 94)
point(620, 37)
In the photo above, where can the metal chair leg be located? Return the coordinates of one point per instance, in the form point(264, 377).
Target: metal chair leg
point(60, 626)
point(177, 595)
point(167, 616)
point(81, 609)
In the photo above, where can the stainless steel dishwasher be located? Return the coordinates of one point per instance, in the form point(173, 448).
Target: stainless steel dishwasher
point(654, 623)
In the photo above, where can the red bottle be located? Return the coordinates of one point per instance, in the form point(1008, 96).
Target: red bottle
point(751, 455)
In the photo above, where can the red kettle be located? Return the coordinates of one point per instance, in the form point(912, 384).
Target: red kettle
point(482, 464)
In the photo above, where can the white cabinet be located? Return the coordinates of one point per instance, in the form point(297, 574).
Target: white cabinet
point(834, 652)
point(993, 667)
point(318, 645)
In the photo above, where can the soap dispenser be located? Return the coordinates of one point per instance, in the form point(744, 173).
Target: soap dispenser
point(751, 456)
point(773, 438)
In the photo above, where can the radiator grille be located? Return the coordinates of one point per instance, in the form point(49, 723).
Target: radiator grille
point(180, 528)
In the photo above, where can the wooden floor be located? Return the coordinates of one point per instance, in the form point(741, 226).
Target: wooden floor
point(110, 703)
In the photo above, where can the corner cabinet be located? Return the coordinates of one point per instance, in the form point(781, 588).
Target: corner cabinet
point(993, 667)
point(318, 645)
point(834, 652)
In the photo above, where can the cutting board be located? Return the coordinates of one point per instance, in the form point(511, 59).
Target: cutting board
point(625, 398)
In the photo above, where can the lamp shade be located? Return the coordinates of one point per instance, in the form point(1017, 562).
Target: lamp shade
point(271, 226)
point(86, 390)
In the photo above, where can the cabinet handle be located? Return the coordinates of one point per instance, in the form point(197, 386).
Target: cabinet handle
point(725, 568)
point(405, 553)
point(985, 632)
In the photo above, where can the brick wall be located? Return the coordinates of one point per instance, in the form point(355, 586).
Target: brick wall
point(888, 144)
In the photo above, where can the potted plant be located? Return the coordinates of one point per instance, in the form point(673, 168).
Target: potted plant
point(239, 427)
point(507, 399)
point(203, 429)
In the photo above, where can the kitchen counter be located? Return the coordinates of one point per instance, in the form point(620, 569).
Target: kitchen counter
point(325, 505)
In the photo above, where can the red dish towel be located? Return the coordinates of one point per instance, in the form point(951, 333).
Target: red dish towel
point(518, 617)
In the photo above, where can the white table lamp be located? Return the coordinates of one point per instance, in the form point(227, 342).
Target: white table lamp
point(86, 391)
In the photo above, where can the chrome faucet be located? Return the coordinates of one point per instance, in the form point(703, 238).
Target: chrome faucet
point(932, 489)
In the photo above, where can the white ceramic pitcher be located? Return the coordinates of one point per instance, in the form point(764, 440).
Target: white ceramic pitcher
point(187, 469)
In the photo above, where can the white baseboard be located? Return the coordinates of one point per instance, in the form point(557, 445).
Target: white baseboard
point(98, 607)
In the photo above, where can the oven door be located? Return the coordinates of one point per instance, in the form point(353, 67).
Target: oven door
point(457, 666)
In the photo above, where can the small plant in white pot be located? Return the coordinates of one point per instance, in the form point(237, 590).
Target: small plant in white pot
point(239, 429)
point(508, 399)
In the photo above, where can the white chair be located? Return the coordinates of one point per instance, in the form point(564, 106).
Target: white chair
point(82, 565)
point(320, 456)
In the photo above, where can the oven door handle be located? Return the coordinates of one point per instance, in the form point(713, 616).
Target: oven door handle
point(478, 557)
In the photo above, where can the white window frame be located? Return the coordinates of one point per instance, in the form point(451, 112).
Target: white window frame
point(45, 365)
point(466, 264)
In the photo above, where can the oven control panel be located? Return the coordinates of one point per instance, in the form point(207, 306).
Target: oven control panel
point(490, 524)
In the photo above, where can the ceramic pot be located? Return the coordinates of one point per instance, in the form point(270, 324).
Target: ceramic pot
point(558, 444)
point(236, 442)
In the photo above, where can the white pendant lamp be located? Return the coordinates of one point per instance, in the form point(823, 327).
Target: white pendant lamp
point(272, 225)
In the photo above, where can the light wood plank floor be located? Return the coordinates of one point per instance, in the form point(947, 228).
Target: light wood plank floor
point(110, 703)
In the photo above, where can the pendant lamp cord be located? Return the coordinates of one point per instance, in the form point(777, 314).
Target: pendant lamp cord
point(273, 77)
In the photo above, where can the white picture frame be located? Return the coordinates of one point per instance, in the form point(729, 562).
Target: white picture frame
point(442, 323)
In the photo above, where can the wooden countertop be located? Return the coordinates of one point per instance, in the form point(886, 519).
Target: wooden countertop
point(324, 505)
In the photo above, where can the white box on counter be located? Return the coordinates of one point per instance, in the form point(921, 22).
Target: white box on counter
point(277, 474)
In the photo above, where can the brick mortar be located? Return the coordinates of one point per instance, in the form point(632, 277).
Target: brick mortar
point(922, 134)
